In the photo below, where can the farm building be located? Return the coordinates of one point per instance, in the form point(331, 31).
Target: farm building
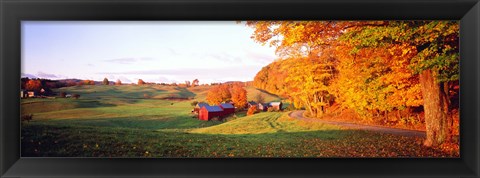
point(199, 106)
point(251, 103)
point(32, 94)
point(208, 112)
point(227, 108)
point(276, 105)
point(23, 94)
point(263, 106)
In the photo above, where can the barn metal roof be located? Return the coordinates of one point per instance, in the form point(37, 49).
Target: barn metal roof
point(275, 103)
point(227, 105)
point(213, 108)
point(202, 104)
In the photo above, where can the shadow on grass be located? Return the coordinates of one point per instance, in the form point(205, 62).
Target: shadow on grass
point(114, 92)
point(152, 122)
point(47, 105)
point(82, 141)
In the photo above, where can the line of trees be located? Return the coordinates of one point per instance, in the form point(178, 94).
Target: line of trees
point(227, 92)
point(371, 67)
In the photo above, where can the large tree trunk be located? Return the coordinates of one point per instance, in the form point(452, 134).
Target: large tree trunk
point(435, 107)
point(446, 99)
point(310, 110)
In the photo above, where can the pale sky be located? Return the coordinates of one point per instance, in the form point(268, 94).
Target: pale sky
point(155, 51)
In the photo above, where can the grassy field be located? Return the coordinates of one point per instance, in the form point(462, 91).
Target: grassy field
point(137, 121)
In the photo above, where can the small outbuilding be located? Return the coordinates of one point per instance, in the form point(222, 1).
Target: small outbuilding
point(208, 112)
point(23, 94)
point(251, 103)
point(227, 108)
point(199, 106)
point(276, 106)
point(32, 94)
point(263, 106)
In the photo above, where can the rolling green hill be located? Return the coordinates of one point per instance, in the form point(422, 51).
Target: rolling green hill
point(265, 122)
point(119, 121)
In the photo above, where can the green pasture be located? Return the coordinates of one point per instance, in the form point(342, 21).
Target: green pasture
point(138, 121)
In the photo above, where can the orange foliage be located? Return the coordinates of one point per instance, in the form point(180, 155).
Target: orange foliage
point(218, 94)
point(239, 96)
point(252, 110)
point(33, 85)
point(88, 82)
point(372, 67)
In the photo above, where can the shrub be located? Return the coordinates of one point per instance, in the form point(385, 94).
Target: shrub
point(290, 107)
point(271, 109)
point(105, 81)
point(259, 98)
point(27, 117)
point(146, 95)
point(252, 110)
point(194, 103)
point(76, 96)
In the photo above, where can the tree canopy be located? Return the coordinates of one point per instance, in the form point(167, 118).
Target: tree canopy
point(371, 67)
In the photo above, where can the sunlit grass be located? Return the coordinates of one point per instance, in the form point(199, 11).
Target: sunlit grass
point(116, 121)
point(266, 122)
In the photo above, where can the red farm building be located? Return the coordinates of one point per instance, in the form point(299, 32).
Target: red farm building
point(227, 108)
point(199, 106)
point(208, 112)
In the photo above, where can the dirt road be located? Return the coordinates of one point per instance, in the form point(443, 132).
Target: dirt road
point(403, 132)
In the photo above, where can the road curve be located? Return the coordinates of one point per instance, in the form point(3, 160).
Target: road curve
point(413, 133)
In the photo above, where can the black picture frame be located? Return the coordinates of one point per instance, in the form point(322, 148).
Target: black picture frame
point(12, 12)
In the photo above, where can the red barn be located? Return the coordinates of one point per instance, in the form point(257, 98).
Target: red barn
point(208, 112)
point(199, 106)
point(227, 108)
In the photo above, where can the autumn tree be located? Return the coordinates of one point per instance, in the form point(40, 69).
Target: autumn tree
point(259, 98)
point(195, 82)
point(304, 45)
point(381, 83)
point(252, 110)
point(187, 83)
point(140, 82)
point(70, 83)
point(33, 85)
point(383, 80)
point(218, 94)
point(105, 81)
point(118, 82)
point(194, 103)
point(88, 82)
point(429, 51)
point(271, 78)
point(239, 96)
point(436, 62)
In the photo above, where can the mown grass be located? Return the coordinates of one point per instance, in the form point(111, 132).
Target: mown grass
point(88, 141)
point(266, 122)
point(115, 121)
